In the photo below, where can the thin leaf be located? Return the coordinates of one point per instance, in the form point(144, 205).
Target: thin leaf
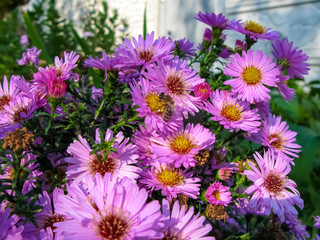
point(35, 37)
point(145, 21)
point(84, 46)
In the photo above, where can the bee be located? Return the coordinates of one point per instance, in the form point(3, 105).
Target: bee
point(168, 106)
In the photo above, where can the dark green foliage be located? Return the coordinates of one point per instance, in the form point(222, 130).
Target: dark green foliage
point(10, 48)
point(303, 117)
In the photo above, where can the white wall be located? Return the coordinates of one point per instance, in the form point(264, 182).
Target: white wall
point(299, 20)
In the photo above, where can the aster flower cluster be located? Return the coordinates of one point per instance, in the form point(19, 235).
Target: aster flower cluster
point(140, 145)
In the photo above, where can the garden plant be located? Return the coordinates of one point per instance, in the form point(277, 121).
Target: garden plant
point(154, 138)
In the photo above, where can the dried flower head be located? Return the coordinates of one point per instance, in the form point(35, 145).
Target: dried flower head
point(217, 212)
point(18, 140)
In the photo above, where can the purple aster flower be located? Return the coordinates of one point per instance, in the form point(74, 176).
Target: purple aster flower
point(177, 79)
point(179, 147)
point(218, 194)
point(272, 189)
point(240, 46)
point(144, 51)
point(263, 109)
point(179, 223)
point(291, 59)
point(32, 55)
point(232, 113)
point(213, 20)
point(286, 92)
point(42, 79)
point(82, 163)
point(242, 206)
point(296, 228)
point(202, 91)
point(128, 75)
point(224, 173)
point(255, 31)
point(185, 49)
point(158, 112)
point(207, 36)
point(252, 72)
point(46, 218)
point(110, 209)
point(218, 159)
point(56, 88)
point(19, 110)
point(226, 53)
point(87, 34)
point(24, 40)
point(106, 63)
point(142, 139)
point(277, 136)
point(171, 181)
point(317, 222)
point(7, 92)
point(64, 65)
point(8, 229)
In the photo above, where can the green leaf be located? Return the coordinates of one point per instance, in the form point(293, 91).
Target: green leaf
point(145, 21)
point(35, 37)
point(309, 141)
point(84, 46)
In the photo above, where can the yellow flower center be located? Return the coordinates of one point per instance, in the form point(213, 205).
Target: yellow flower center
point(169, 177)
point(203, 90)
point(154, 103)
point(231, 112)
point(251, 75)
point(182, 144)
point(216, 194)
point(254, 27)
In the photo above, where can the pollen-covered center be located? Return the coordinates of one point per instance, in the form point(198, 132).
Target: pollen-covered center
point(216, 194)
point(169, 177)
point(231, 112)
point(51, 219)
point(254, 27)
point(203, 90)
point(182, 144)
point(175, 84)
point(109, 165)
point(114, 227)
point(4, 100)
point(146, 55)
point(274, 183)
point(276, 141)
point(17, 114)
point(251, 75)
point(154, 103)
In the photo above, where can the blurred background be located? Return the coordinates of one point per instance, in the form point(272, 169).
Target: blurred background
point(92, 26)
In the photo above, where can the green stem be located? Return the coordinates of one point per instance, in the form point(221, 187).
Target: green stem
point(53, 105)
point(124, 122)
